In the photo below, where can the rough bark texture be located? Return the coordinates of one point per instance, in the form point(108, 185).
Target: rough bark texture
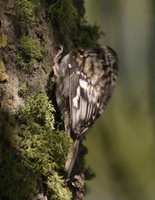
point(19, 80)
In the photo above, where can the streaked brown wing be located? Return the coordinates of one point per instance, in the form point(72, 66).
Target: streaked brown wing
point(85, 102)
point(88, 95)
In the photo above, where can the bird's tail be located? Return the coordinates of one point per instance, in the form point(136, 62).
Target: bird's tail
point(72, 158)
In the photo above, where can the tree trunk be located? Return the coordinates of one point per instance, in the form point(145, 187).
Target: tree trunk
point(28, 40)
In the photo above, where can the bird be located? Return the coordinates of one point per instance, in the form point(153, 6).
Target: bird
point(85, 79)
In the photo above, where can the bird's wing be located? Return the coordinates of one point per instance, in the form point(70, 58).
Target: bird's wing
point(87, 100)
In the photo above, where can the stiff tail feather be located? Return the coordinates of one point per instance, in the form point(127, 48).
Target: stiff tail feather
point(72, 158)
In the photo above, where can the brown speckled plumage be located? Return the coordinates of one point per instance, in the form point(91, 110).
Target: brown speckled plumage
point(85, 80)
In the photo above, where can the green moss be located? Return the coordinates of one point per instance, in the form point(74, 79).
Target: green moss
point(33, 153)
point(24, 65)
point(39, 110)
point(72, 27)
point(30, 51)
point(27, 10)
point(86, 35)
point(31, 47)
point(56, 184)
point(63, 14)
point(23, 90)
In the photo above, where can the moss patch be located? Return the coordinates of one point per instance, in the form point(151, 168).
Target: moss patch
point(30, 51)
point(26, 11)
point(23, 90)
point(86, 35)
point(55, 183)
point(71, 26)
point(31, 47)
point(63, 14)
point(33, 153)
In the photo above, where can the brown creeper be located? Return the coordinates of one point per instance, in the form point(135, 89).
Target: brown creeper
point(85, 80)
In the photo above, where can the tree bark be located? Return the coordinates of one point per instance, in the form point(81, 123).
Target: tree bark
point(17, 84)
